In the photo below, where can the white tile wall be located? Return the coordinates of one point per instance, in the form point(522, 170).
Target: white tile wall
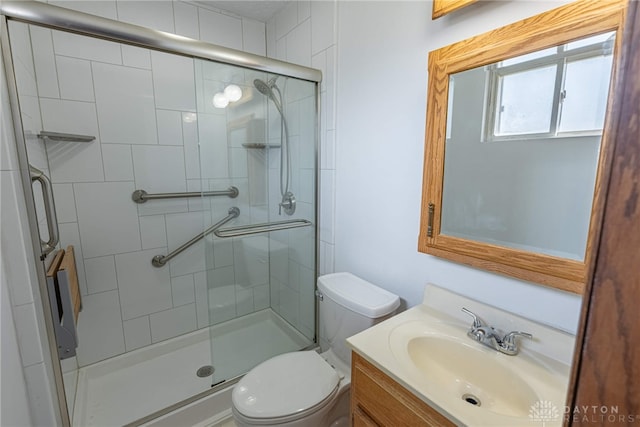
point(212, 134)
point(118, 162)
point(101, 274)
point(244, 301)
point(137, 332)
point(222, 301)
point(323, 23)
point(100, 328)
point(44, 61)
point(169, 127)
point(182, 289)
point(159, 169)
point(286, 20)
point(124, 100)
point(75, 79)
point(153, 231)
point(202, 299)
point(327, 207)
point(253, 36)
point(251, 255)
point(181, 228)
point(68, 44)
point(171, 323)
point(186, 20)
point(144, 289)
point(299, 44)
point(190, 140)
point(173, 81)
point(261, 297)
point(108, 223)
point(65, 203)
point(154, 14)
point(220, 29)
point(136, 57)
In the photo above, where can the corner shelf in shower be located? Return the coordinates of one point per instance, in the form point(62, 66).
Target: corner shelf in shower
point(68, 137)
point(259, 145)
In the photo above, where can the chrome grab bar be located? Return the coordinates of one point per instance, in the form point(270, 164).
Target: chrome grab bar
point(49, 211)
point(141, 196)
point(161, 260)
point(265, 227)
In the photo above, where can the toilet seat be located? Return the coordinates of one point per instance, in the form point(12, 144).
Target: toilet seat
point(285, 388)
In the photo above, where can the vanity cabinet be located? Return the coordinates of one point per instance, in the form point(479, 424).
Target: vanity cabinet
point(378, 400)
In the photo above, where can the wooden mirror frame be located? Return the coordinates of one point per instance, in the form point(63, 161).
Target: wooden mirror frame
point(442, 7)
point(555, 27)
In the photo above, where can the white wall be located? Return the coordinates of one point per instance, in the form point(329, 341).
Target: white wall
point(382, 80)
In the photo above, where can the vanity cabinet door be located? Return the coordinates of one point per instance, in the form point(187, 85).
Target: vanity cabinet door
point(377, 400)
point(360, 419)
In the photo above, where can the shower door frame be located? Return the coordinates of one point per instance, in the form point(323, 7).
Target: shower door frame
point(58, 18)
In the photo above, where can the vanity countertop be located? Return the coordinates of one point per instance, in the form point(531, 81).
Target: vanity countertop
point(427, 351)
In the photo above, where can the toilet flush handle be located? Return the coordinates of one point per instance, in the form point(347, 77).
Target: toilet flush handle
point(319, 295)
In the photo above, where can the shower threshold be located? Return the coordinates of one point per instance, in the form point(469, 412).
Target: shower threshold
point(126, 388)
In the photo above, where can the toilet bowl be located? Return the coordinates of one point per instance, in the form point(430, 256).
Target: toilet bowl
point(308, 389)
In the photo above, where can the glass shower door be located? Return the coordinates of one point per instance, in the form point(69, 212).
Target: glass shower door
point(259, 283)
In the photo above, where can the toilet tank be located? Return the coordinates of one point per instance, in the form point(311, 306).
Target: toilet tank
point(350, 305)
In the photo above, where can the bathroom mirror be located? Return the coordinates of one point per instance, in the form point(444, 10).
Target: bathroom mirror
point(442, 7)
point(516, 144)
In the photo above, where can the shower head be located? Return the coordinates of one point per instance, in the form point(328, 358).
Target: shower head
point(266, 88)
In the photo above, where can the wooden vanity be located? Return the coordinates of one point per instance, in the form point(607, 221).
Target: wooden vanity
point(378, 400)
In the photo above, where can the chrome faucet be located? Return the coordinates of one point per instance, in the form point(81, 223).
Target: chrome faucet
point(488, 336)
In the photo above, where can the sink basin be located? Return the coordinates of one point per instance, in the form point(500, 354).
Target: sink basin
point(468, 372)
point(471, 380)
point(426, 350)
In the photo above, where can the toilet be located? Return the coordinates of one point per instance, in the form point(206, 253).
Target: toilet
point(305, 388)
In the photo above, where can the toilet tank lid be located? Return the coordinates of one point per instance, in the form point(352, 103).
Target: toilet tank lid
point(358, 295)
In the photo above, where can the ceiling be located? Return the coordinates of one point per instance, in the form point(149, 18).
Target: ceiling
point(260, 10)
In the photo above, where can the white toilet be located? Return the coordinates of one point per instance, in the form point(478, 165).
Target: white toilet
point(307, 389)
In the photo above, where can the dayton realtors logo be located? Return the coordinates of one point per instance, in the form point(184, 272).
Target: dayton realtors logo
point(545, 411)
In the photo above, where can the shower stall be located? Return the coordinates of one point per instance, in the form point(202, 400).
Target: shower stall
point(172, 192)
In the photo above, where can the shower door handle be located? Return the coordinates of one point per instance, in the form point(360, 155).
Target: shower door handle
point(49, 210)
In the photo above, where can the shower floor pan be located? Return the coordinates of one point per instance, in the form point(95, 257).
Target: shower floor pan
point(125, 388)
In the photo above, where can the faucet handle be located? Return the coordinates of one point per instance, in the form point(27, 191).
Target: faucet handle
point(477, 323)
point(509, 341)
point(511, 336)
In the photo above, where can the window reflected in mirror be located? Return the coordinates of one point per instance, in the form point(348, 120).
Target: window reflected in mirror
point(560, 91)
point(524, 135)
